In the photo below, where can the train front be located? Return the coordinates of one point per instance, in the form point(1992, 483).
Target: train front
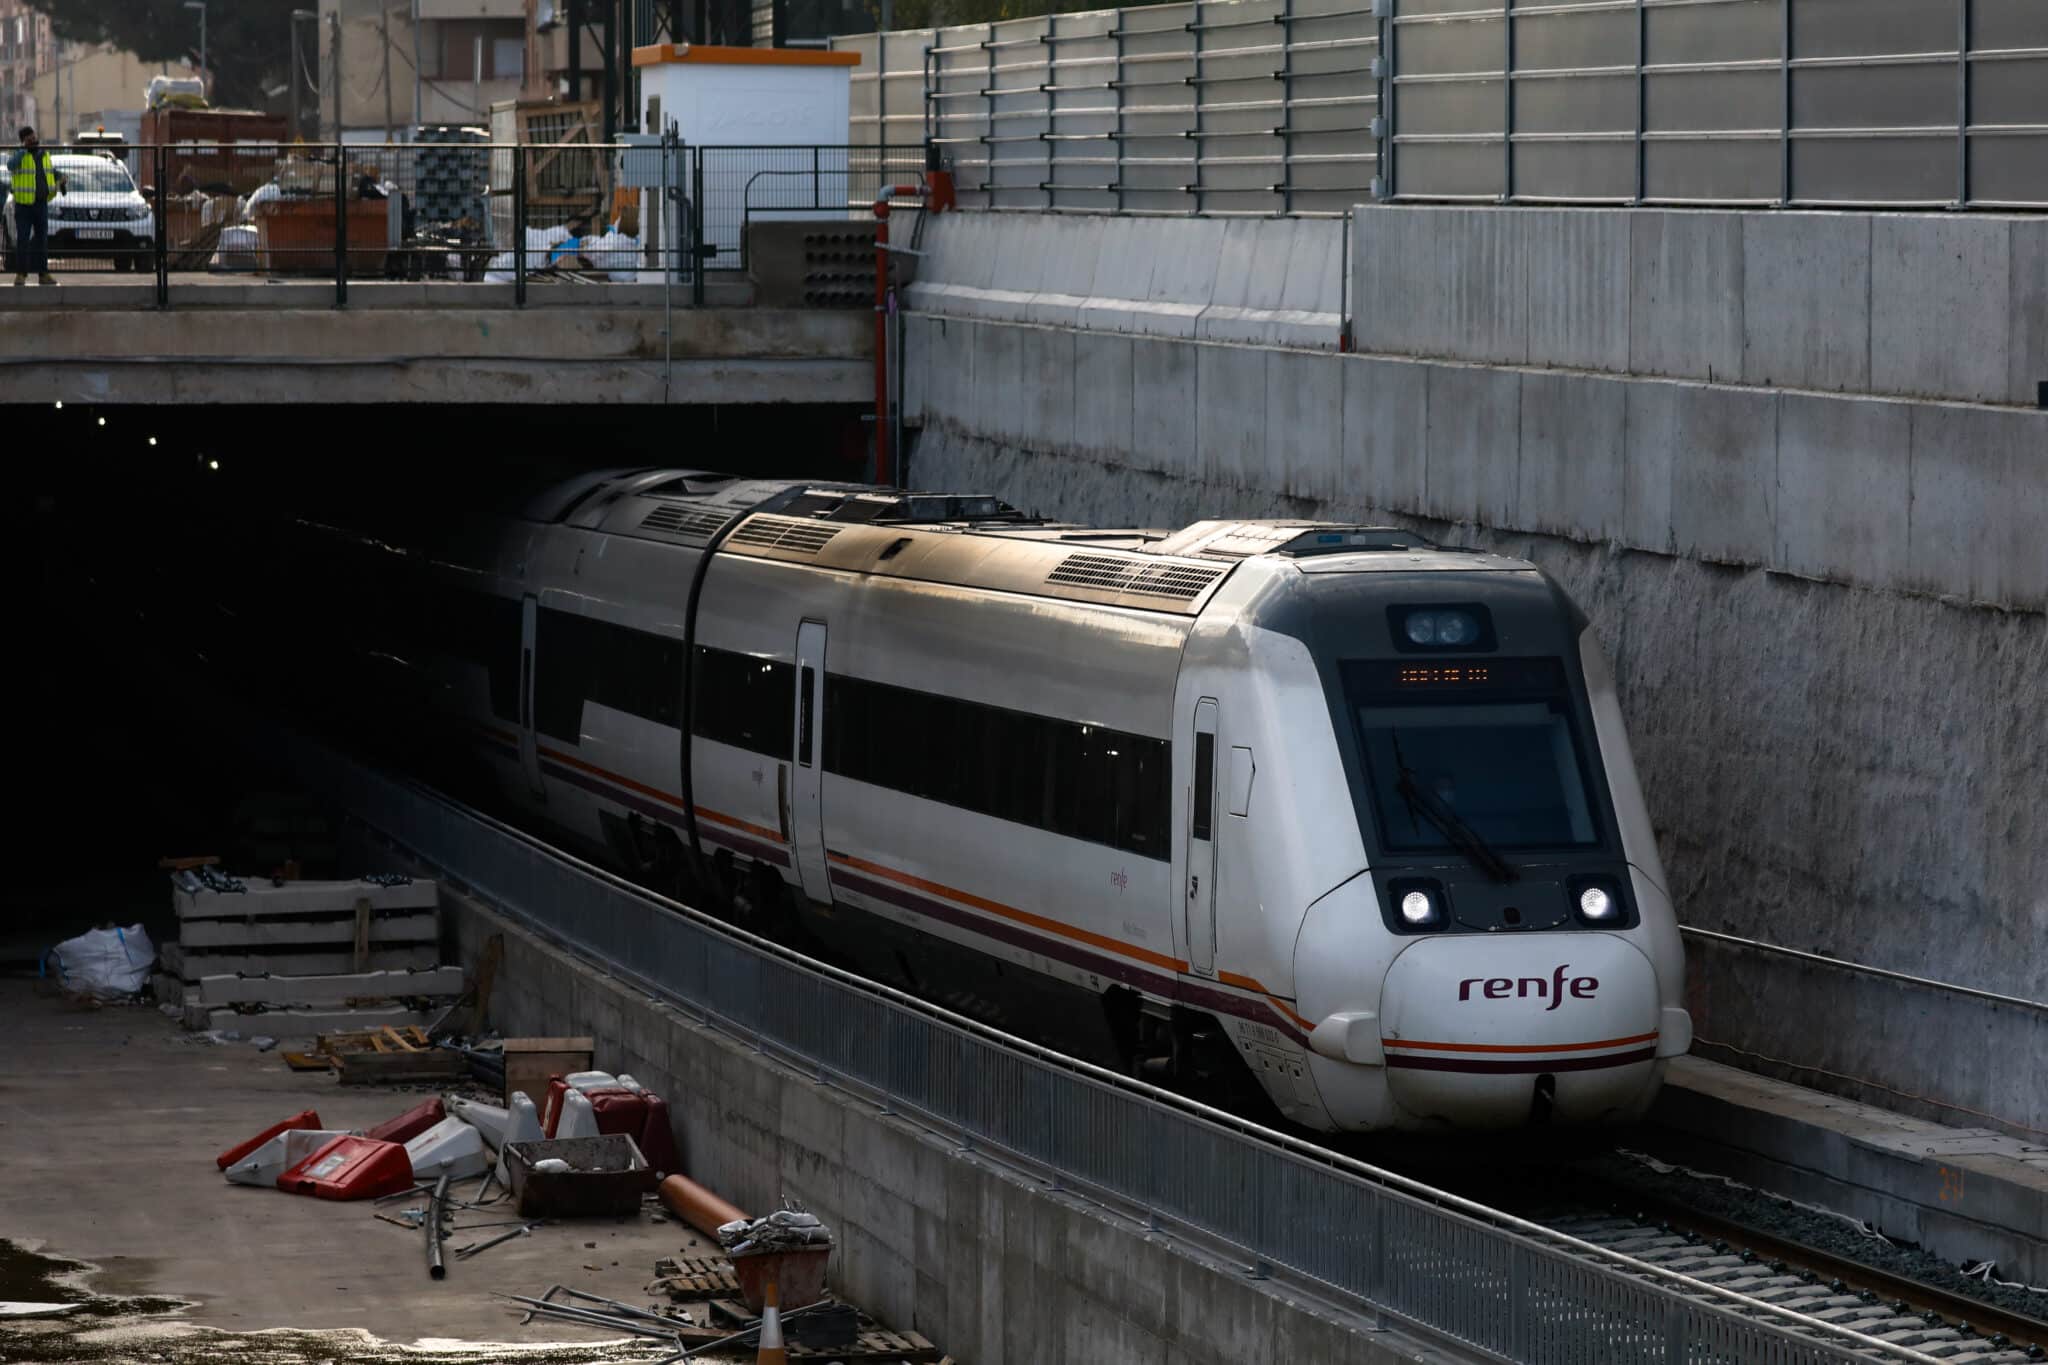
point(1510, 956)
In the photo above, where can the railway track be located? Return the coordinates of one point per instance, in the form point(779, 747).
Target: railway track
point(1888, 1307)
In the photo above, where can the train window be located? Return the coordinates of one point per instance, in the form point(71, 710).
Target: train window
point(483, 629)
point(806, 699)
point(1494, 746)
point(585, 659)
point(743, 701)
point(1083, 781)
point(1205, 786)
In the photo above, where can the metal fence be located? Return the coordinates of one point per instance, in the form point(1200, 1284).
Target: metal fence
point(1285, 106)
point(738, 186)
point(1387, 1244)
point(525, 215)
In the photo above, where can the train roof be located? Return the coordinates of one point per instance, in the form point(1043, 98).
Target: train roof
point(978, 541)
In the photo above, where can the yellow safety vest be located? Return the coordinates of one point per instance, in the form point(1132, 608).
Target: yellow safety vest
point(26, 165)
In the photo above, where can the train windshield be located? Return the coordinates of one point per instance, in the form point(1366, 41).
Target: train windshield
point(1491, 746)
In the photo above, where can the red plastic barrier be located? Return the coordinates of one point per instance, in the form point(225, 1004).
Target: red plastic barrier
point(551, 1106)
point(410, 1124)
point(305, 1118)
point(351, 1168)
point(657, 1138)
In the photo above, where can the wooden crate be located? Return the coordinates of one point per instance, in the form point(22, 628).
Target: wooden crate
point(530, 1061)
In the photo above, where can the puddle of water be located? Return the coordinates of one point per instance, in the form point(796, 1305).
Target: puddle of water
point(28, 1277)
point(108, 1329)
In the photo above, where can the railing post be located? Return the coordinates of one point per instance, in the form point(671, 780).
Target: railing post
point(163, 229)
point(1507, 101)
point(1642, 101)
point(1965, 35)
point(340, 222)
point(1785, 104)
point(696, 215)
point(519, 225)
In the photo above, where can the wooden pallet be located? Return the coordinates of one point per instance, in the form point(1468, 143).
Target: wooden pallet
point(691, 1279)
point(878, 1345)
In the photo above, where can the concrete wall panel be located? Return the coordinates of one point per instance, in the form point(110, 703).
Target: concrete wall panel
point(1103, 394)
point(1941, 306)
point(1163, 428)
point(1474, 445)
point(1385, 456)
point(914, 354)
point(1184, 252)
point(1844, 488)
point(1685, 295)
point(1980, 484)
point(1806, 300)
point(1653, 455)
point(1315, 267)
point(2029, 346)
point(949, 389)
point(1304, 423)
point(1724, 474)
point(1578, 279)
point(1574, 456)
point(1230, 396)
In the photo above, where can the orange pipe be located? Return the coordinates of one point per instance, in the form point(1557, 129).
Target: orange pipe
point(697, 1206)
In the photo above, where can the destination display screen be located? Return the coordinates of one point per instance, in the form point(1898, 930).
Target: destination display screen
point(1542, 677)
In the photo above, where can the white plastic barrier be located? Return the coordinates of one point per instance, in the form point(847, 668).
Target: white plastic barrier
point(451, 1147)
point(264, 1165)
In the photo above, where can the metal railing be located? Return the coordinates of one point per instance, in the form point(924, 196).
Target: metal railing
point(429, 212)
point(1387, 1245)
point(1309, 106)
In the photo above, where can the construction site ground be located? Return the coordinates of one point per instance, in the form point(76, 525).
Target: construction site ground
point(110, 1120)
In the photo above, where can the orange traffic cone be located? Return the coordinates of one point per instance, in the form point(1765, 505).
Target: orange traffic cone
point(772, 1351)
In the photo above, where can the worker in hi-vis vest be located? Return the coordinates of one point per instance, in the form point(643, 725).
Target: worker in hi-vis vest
point(34, 183)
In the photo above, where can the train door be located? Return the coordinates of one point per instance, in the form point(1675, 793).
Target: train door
point(529, 738)
point(806, 809)
point(1201, 842)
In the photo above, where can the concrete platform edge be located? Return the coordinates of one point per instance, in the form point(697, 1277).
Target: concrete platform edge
point(1966, 1195)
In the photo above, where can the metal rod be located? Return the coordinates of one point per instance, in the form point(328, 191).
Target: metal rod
point(435, 1212)
point(590, 1317)
point(465, 1253)
point(621, 1307)
point(746, 1332)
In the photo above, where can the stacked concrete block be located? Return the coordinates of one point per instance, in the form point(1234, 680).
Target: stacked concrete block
point(295, 958)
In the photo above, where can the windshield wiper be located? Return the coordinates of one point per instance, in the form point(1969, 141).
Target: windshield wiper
point(1448, 822)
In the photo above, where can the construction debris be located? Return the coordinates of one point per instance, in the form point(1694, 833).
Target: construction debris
point(307, 956)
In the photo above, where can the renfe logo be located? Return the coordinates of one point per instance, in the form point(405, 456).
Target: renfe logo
point(1501, 987)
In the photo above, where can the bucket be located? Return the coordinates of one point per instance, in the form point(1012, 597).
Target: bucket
point(799, 1275)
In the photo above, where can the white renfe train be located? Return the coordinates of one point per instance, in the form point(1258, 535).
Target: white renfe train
point(1350, 809)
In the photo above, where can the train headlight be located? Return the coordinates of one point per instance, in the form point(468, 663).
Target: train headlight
point(1459, 627)
point(1596, 906)
point(1419, 910)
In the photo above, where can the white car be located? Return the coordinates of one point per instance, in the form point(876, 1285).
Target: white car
point(97, 211)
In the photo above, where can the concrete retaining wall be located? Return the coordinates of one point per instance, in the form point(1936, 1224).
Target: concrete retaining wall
point(1269, 281)
point(441, 354)
point(988, 1262)
point(1942, 499)
point(1835, 769)
point(1943, 306)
